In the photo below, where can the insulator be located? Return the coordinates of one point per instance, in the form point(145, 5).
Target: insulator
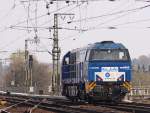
point(47, 6)
point(63, 17)
point(51, 2)
point(67, 1)
point(69, 22)
point(71, 17)
point(48, 13)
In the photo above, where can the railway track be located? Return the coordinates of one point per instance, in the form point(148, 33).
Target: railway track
point(128, 107)
point(52, 105)
point(45, 105)
point(59, 105)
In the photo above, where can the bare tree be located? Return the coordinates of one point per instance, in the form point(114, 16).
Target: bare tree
point(15, 76)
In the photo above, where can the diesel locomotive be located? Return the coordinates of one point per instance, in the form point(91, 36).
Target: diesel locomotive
point(97, 72)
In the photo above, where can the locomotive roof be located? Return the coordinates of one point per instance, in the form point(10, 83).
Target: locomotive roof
point(107, 45)
point(102, 45)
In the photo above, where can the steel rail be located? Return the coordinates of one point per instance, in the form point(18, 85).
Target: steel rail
point(128, 107)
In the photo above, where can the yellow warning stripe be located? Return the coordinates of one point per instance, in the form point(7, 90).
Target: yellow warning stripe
point(2, 103)
point(127, 85)
point(90, 86)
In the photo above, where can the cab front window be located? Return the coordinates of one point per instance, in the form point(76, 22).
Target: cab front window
point(109, 54)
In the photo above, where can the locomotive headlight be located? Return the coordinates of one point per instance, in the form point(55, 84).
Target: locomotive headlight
point(121, 78)
point(109, 51)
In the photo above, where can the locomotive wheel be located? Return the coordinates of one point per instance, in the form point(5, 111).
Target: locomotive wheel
point(74, 99)
point(82, 95)
point(90, 100)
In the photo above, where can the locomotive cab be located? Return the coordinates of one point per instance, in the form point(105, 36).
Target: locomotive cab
point(110, 69)
point(100, 71)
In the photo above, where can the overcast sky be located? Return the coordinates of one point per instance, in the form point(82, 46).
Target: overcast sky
point(130, 18)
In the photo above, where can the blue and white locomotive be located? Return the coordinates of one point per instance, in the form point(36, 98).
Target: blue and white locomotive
point(100, 71)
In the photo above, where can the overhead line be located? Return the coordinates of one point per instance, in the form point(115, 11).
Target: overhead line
point(64, 12)
point(74, 1)
point(110, 20)
point(31, 19)
point(46, 27)
point(133, 22)
point(21, 22)
point(9, 11)
point(13, 41)
point(68, 21)
point(110, 14)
